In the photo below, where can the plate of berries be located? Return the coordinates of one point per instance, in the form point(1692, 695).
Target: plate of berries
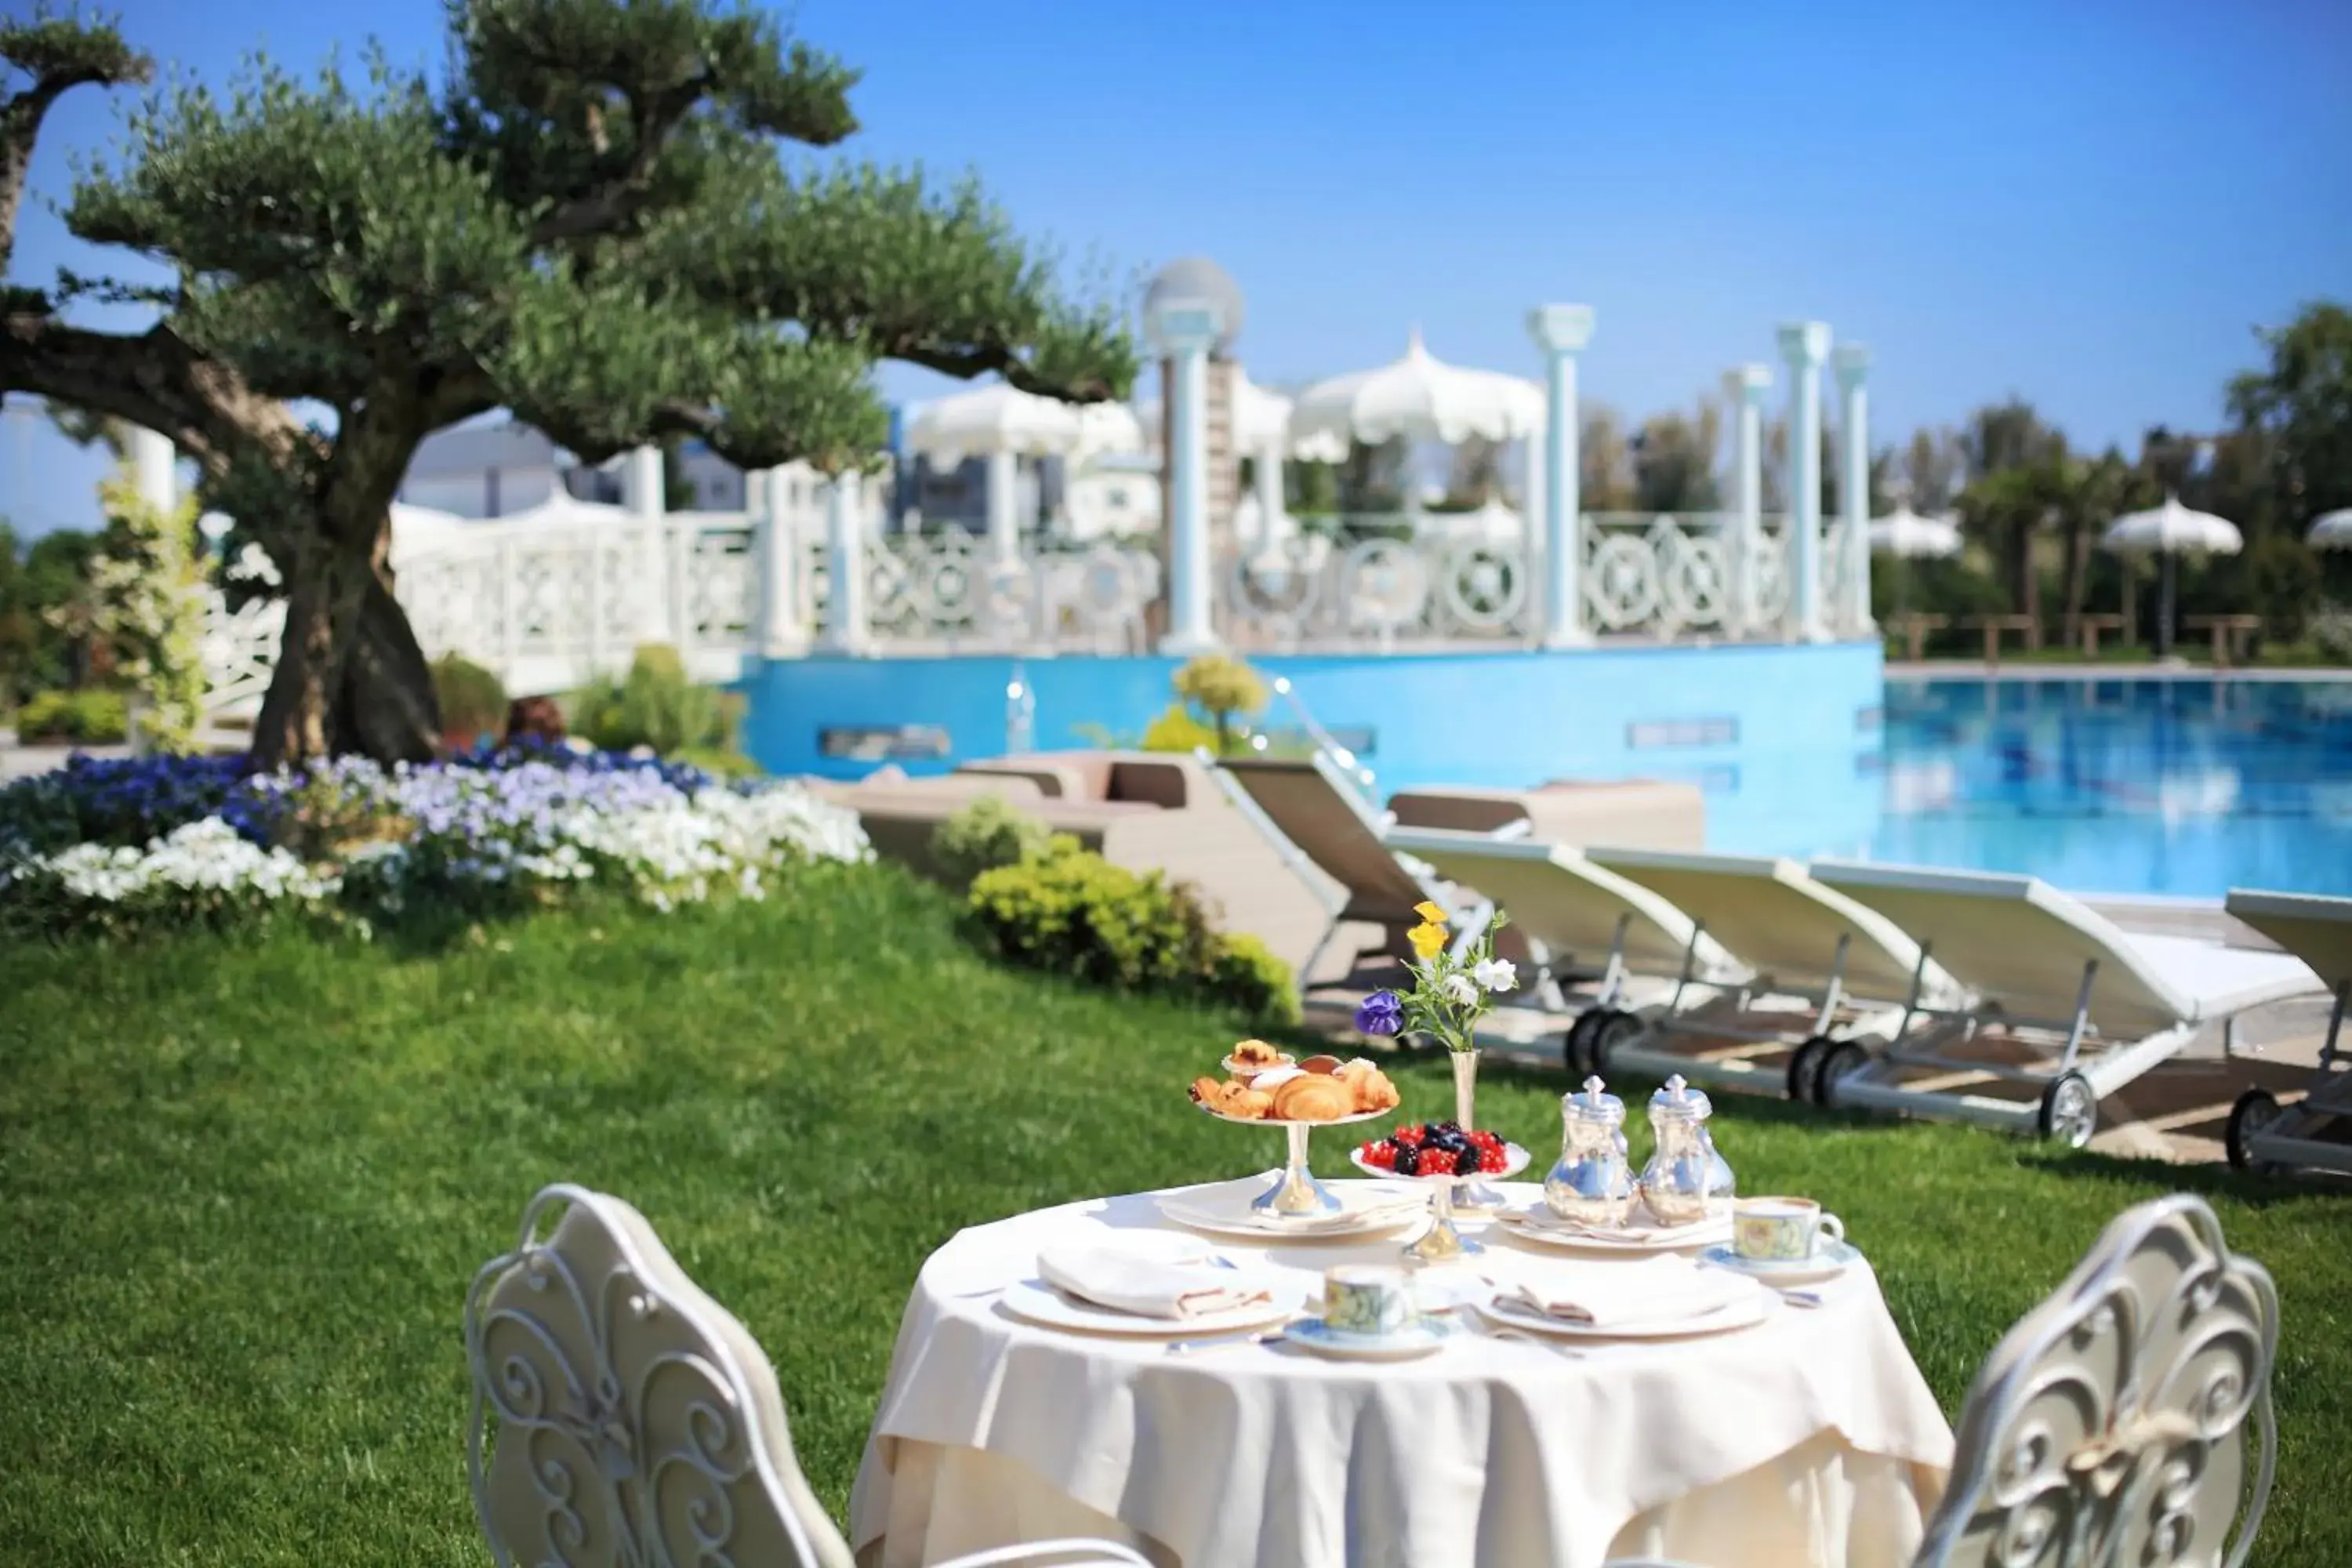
point(1441, 1149)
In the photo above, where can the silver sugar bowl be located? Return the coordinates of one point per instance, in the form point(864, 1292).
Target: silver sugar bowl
point(1685, 1181)
point(1593, 1183)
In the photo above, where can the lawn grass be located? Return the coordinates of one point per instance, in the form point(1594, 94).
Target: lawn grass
point(243, 1187)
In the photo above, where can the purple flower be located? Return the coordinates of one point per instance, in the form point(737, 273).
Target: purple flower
point(1381, 1014)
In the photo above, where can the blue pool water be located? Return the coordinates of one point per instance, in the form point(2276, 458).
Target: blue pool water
point(2177, 787)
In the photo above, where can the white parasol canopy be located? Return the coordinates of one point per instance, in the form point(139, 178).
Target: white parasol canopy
point(1906, 535)
point(994, 419)
point(2171, 529)
point(1108, 428)
point(1419, 398)
point(2331, 531)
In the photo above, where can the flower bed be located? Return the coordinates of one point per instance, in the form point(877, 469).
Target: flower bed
point(113, 845)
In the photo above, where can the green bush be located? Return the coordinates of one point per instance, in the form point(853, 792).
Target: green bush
point(988, 834)
point(92, 718)
point(473, 703)
point(657, 705)
point(1069, 912)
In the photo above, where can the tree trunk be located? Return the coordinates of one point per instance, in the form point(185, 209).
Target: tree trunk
point(351, 677)
point(2078, 573)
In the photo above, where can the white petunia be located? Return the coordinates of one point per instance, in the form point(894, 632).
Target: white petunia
point(1458, 988)
point(1495, 974)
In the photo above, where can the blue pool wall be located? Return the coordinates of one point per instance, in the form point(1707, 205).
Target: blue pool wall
point(1785, 741)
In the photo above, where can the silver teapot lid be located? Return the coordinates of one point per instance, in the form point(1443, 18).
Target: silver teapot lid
point(1593, 1105)
point(1679, 1101)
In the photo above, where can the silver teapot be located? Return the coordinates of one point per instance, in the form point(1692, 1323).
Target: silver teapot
point(1685, 1181)
point(1593, 1183)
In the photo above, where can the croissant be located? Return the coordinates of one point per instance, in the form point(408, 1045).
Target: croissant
point(1207, 1091)
point(1372, 1089)
point(1314, 1096)
point(1248, 1102)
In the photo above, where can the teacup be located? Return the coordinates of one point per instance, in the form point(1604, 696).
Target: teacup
point(1368, 1300)
point(1781, 1230)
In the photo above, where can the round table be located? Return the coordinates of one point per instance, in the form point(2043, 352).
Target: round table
point(1809, 1438)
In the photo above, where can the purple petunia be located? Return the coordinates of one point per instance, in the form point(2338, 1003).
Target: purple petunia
point(1381, 1014)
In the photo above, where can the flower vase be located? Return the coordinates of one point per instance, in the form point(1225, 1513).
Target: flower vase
point(1470, 1192)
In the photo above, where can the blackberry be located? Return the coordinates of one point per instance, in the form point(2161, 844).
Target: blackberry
point(1465, 1163)
point(1408, 1162)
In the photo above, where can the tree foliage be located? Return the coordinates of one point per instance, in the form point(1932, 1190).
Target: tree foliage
point(599, 223)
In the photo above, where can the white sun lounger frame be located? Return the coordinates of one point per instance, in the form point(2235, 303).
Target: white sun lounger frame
point(1697, 961)
point(1840, 1007)
point(2263, 1133)
point(2088, 1064)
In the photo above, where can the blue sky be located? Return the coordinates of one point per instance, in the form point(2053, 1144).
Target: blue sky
point(2089, 203)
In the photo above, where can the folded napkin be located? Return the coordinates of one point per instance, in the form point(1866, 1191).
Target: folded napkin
point(1630, 1293)
point(1147, 1287)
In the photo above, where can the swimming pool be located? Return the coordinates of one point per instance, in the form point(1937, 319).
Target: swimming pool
point(2184, 787)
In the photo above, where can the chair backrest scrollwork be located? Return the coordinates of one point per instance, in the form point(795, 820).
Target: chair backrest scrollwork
point(2127, 1419)
point(620, 1415)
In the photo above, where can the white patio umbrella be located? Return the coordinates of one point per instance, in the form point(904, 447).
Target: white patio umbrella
point(1261, 417)
point(1907, 536)
point(1108, 428)
point(2331, 531)
point(2170, 531)
point(1005, 425)
point(1417, 398)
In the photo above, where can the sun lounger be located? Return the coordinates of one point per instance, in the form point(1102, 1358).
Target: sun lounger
point(1825, 972)
point(1585, 921)
point(1313, 807)
point(2263, 1133)
point(2086, 1005)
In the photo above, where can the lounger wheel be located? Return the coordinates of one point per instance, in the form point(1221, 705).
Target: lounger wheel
point(2070, 1110)
point(2256, 1109)
point(1805, 1069)
point(1576, 1046)
point(1616, 1028)
point(1843, 1059)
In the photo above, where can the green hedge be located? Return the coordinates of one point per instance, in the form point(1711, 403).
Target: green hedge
point(1069, 912)
point(89, 717)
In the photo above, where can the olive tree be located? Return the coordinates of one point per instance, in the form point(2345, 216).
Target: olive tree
point(607, 219)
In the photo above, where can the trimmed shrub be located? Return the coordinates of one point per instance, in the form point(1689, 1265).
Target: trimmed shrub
point(1069, 912)
point(657, 705)
point(92, 718)
point(988, 834)
point(473, 703)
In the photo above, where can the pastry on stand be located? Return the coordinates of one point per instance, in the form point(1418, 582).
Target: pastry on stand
point(1320, 1091)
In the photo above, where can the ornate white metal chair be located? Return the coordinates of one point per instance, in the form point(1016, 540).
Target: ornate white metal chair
point(623, 1417)
point(2110, 1428)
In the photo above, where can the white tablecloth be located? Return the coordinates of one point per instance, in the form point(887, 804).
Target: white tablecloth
point(1809, 1439)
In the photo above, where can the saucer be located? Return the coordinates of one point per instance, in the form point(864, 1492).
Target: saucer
point(1827, 1263)
point(1420, 1338)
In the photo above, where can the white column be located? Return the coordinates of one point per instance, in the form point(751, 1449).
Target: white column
point(1562, 331)
point(1269, 494)
point(1182, 330)
point(641, 493)
point(1804, 346)
point(152, 460)
point(1851, 363)
point(844, 556)
point(780, 632)
point(1747, 386)
point(1004, 507)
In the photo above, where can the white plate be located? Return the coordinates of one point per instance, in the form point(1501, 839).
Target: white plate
point(1541, 1227)
point(1515, 1160)
point(1419, 1339)
point(1739, 1314)
point(1827, 1264)
point(1035, 1301)
point(1363, 1212)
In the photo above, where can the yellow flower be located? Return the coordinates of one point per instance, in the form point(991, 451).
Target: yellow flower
point(1430, 914)
point(1428, 941)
